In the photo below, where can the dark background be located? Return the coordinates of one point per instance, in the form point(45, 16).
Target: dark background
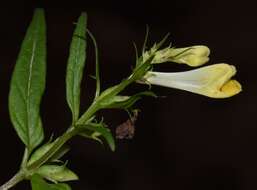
point(182, 142)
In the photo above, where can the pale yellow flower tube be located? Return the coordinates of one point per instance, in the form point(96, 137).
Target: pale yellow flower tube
point(213, 81)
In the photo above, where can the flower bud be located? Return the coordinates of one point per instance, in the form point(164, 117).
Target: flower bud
point(193, 56)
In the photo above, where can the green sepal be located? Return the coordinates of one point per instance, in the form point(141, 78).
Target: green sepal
point(125, 102)
point(136, 52)
point(146, 38)
point(38, 183)
point(164, 39)
point(95, 130)
point(56, 173)
point(28, 84)
point(75, 67)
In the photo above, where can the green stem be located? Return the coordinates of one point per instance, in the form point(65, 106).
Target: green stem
point(13, 181)
point(88, 114)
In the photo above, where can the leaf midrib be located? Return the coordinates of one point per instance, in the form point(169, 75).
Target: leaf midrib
point(74, 85)
point(29, 85)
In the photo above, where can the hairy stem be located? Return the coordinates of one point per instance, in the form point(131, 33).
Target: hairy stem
point(13, 181)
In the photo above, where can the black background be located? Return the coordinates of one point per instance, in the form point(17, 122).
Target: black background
point(184, 141)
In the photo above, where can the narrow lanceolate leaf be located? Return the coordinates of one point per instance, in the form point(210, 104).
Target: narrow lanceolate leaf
point(76, 63)
point(38, 183)
point(28, 83)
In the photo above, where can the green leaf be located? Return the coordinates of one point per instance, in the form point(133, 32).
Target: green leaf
point(93, 130)
point(38, 183)
point(125, 102)
point(56, 173)
point(76, 63)
point(28, 83)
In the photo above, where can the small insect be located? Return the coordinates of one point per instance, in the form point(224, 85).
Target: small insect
point(126, 130)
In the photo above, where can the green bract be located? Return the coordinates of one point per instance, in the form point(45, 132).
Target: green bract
point(44, 149)
point(125, 102)
point(37, 183)
point(56, 173)
point(93, 130)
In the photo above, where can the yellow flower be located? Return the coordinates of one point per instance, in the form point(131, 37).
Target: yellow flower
point(213, 81)
point(193, 56)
